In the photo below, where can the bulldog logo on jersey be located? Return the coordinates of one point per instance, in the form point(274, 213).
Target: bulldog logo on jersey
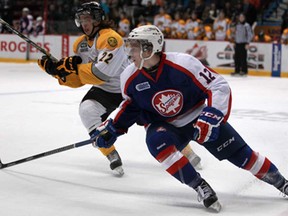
point(168, 103)
point(112, 41)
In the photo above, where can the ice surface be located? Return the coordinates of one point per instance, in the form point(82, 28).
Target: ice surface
point(38, 115)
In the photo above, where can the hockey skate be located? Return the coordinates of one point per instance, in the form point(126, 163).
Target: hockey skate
point(115, 163)
point(284, 189)
point(208, 196)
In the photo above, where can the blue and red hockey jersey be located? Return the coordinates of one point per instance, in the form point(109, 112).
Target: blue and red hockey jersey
point(177, 93)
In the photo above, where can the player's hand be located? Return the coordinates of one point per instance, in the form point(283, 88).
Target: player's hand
point(105, 135)
point(69, 64)
point(207, 126)
point(46, 64)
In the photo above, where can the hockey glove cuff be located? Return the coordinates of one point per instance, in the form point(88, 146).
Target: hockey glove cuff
point(207, 127)
point(105, 135)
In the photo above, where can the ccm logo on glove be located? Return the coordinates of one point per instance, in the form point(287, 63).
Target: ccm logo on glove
point(207, 127)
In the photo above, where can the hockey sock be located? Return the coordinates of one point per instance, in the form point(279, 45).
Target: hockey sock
point(162, 145)
point(258, 165)
point(176, 164)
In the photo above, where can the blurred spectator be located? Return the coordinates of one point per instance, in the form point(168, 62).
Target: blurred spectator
point(210, 13)
point(150, 10)
point(26, 21)
point(160, 3)
point(262, 37)
point(284, 37)
point(142, 21)
point(163, 21)
point(284, 21)
point(6, 13)
point(203, 32)
point(178, 29)
point(220, 26)
point(191, 24)
point(105, 7)
point(39, 28)
point(53, 16)
point(199, 8)
point(230, 33)
point(16, 24)
point(124, 25)
point(250, 12)
point(228, 10)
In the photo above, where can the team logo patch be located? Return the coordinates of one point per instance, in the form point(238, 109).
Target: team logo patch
point(112, 41)
point(142, 86)
point(168, 103)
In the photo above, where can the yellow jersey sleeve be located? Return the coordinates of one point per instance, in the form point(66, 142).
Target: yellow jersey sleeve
point(72, 81)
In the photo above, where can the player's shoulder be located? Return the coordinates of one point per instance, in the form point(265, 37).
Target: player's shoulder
point(78, 41)
point(128, 72)
point(178, 57)
point(109, 39)
point(183, 60)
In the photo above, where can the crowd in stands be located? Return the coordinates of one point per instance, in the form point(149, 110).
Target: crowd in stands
point(178, 19)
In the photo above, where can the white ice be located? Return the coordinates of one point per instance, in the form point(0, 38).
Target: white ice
point(38, 115)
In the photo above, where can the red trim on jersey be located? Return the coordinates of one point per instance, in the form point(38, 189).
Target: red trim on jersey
point(123, 107)
point(178, 165)
point(159, 70)
point(130, 79)
point(252, 161)
point(264, 169)
point(209, 99)
point(166, 153)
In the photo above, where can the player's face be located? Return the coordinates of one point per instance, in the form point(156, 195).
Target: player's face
point(87, 23)
point(133, 50)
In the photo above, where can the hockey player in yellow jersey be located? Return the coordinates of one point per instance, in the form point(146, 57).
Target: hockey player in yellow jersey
point(99, 60)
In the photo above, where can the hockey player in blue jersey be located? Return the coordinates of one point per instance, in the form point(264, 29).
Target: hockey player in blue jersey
point(178, 99)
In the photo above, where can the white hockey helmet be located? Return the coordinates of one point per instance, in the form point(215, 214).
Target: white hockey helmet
point(149, 36)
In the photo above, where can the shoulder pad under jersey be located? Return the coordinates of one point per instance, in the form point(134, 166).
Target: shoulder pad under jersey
point(109, 39)
point(77, 42)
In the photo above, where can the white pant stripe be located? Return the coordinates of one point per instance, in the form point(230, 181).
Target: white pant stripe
point(173, 158)
point(257, 165)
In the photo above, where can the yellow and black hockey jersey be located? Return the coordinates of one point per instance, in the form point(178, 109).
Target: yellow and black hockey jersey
point(103, 60)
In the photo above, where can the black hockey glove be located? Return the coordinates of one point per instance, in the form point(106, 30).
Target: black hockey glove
point(46, 64)
point(69, 64)
point(62, 68)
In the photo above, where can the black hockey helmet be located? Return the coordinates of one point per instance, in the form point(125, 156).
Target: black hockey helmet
point(92, 8)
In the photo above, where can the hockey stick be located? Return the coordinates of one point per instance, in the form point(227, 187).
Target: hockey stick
point(27, 40)
point(44, 154)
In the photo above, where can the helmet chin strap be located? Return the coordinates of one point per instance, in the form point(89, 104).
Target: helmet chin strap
point(144, 59)
point(92, 32)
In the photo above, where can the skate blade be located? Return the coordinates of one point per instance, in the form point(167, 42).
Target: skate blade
point(118, 171)
point(215, 207)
